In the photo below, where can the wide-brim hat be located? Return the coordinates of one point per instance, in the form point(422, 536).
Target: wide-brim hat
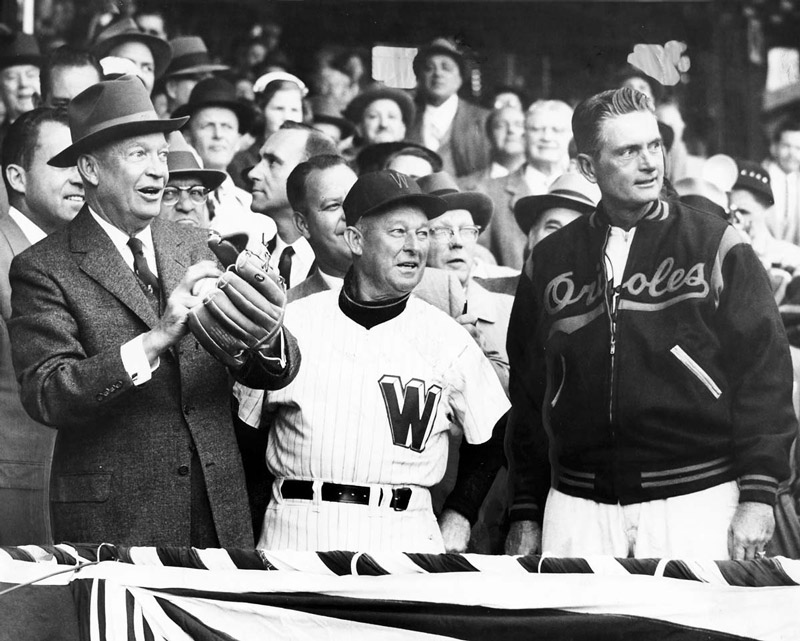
point(17, 48)
point(354, 111)
point(107, 111)
point(345, 126)
point(190, 57)
point(377, 191)
point(217, 92)
point(444, 186)
point(373, 157)
point(183, 162)
point(441, 46)
point(570, 191)
point(125, 30)
point(755, 178)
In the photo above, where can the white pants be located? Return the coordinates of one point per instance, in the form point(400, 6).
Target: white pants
point(691, 526)
point(316, 525)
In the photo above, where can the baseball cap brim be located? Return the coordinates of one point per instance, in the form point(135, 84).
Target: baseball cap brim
point(527, 210)
point(69, 156)
point(431, 206)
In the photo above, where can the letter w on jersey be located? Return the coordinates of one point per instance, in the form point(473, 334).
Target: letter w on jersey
point(411, 422)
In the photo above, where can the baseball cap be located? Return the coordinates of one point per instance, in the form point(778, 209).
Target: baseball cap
point(755, 178)
point(375, 192)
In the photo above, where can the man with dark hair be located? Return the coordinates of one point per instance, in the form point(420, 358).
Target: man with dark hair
point(65, 73)
point(505, 128)
point(783, 219)
point(649, 368)
point(20, 60)
point(292, 144)
point(43, 199)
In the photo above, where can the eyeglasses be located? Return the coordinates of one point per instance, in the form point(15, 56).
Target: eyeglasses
point(468, 234)
point(198, 195)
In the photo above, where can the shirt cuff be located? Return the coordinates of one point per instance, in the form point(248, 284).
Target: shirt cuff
point(135, 361)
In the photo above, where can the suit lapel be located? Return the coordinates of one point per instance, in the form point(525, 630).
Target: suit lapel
point(98, 258)
point(171, 255)
point(16, 238)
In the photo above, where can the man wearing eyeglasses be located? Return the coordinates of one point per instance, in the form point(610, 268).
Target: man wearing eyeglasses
point(185, 198)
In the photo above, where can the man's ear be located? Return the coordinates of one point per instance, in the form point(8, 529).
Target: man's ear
point(355, 240)
point(88, 169)
point(170, 88)
point(302, 224)
point(17, 178)
point(586, 167)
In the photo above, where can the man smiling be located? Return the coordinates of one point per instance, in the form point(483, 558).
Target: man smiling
point(145, 452)
point(628, 373)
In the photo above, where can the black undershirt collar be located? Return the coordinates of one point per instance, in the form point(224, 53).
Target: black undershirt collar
point(368, 314)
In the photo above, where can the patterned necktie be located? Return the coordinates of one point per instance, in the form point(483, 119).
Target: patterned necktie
point(140, 266)
point(285, 264)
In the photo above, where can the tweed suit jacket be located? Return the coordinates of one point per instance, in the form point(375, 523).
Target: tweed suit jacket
point(121, 467)
point(503, 237)
point(467, 143)
point(26, 446)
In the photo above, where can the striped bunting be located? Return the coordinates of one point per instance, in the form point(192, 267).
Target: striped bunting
point(777, 571)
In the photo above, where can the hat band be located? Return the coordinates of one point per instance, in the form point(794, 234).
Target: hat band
point(572, 195)
point(141, 116)
point(188, 60)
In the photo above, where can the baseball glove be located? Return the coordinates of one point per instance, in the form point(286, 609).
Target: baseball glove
point(243, 314)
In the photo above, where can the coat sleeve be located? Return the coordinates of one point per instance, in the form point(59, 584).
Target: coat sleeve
point(61, 385)
point(760, 375)
point(526, 440)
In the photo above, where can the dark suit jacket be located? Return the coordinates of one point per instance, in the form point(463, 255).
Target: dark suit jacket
point(467, 149)
point(122, 462)
point(26, 447)
point(503, 237)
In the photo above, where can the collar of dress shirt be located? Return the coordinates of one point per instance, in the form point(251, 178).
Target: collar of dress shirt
point(479, 303)
point(334, 282)
point(538, 182)
point(496, 170)
point(442, 117)
point(30, 229)
point(120, 240)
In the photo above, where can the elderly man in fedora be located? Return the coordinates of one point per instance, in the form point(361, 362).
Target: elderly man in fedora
point(445, 123)
point(145, 452)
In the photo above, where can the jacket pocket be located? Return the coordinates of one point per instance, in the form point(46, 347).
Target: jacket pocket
point(699, 373)
point(82, 488)
point(561, 384)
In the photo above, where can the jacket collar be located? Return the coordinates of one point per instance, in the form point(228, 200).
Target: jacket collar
point(658, 211)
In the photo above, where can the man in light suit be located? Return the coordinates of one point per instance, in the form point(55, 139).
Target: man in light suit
point(452, 127)
point(146, 452)
point(43, 199)
point(548, 133)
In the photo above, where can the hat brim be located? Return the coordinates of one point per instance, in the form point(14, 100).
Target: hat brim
point(431, 50)
point(528, 210)
point(69, 156)
point(431, 206)
point(25, 59)
point(243, 113)
point(476, 203)
point(162, 51)
point(372, 157)
point(191, 71)
point(211, 178)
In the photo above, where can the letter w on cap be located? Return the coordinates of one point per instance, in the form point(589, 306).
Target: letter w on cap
point(400, 179)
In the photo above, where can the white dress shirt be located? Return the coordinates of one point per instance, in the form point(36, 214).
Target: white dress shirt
point(232, 215)
point(302, 260)
point(132, 353)
point(436, 122)
point(30, 229)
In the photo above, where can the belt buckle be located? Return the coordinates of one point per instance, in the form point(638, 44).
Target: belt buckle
point(401, 497)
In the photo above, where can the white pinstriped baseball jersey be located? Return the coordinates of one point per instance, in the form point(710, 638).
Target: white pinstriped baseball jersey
point(372, 406)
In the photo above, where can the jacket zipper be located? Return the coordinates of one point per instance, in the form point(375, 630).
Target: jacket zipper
point(612, 302)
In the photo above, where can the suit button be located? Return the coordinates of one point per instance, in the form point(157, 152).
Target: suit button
point(183, 470)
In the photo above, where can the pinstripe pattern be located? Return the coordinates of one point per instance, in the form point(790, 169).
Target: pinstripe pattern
point(331, 423)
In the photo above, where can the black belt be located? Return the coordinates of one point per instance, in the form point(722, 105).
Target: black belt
point(338, 493)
